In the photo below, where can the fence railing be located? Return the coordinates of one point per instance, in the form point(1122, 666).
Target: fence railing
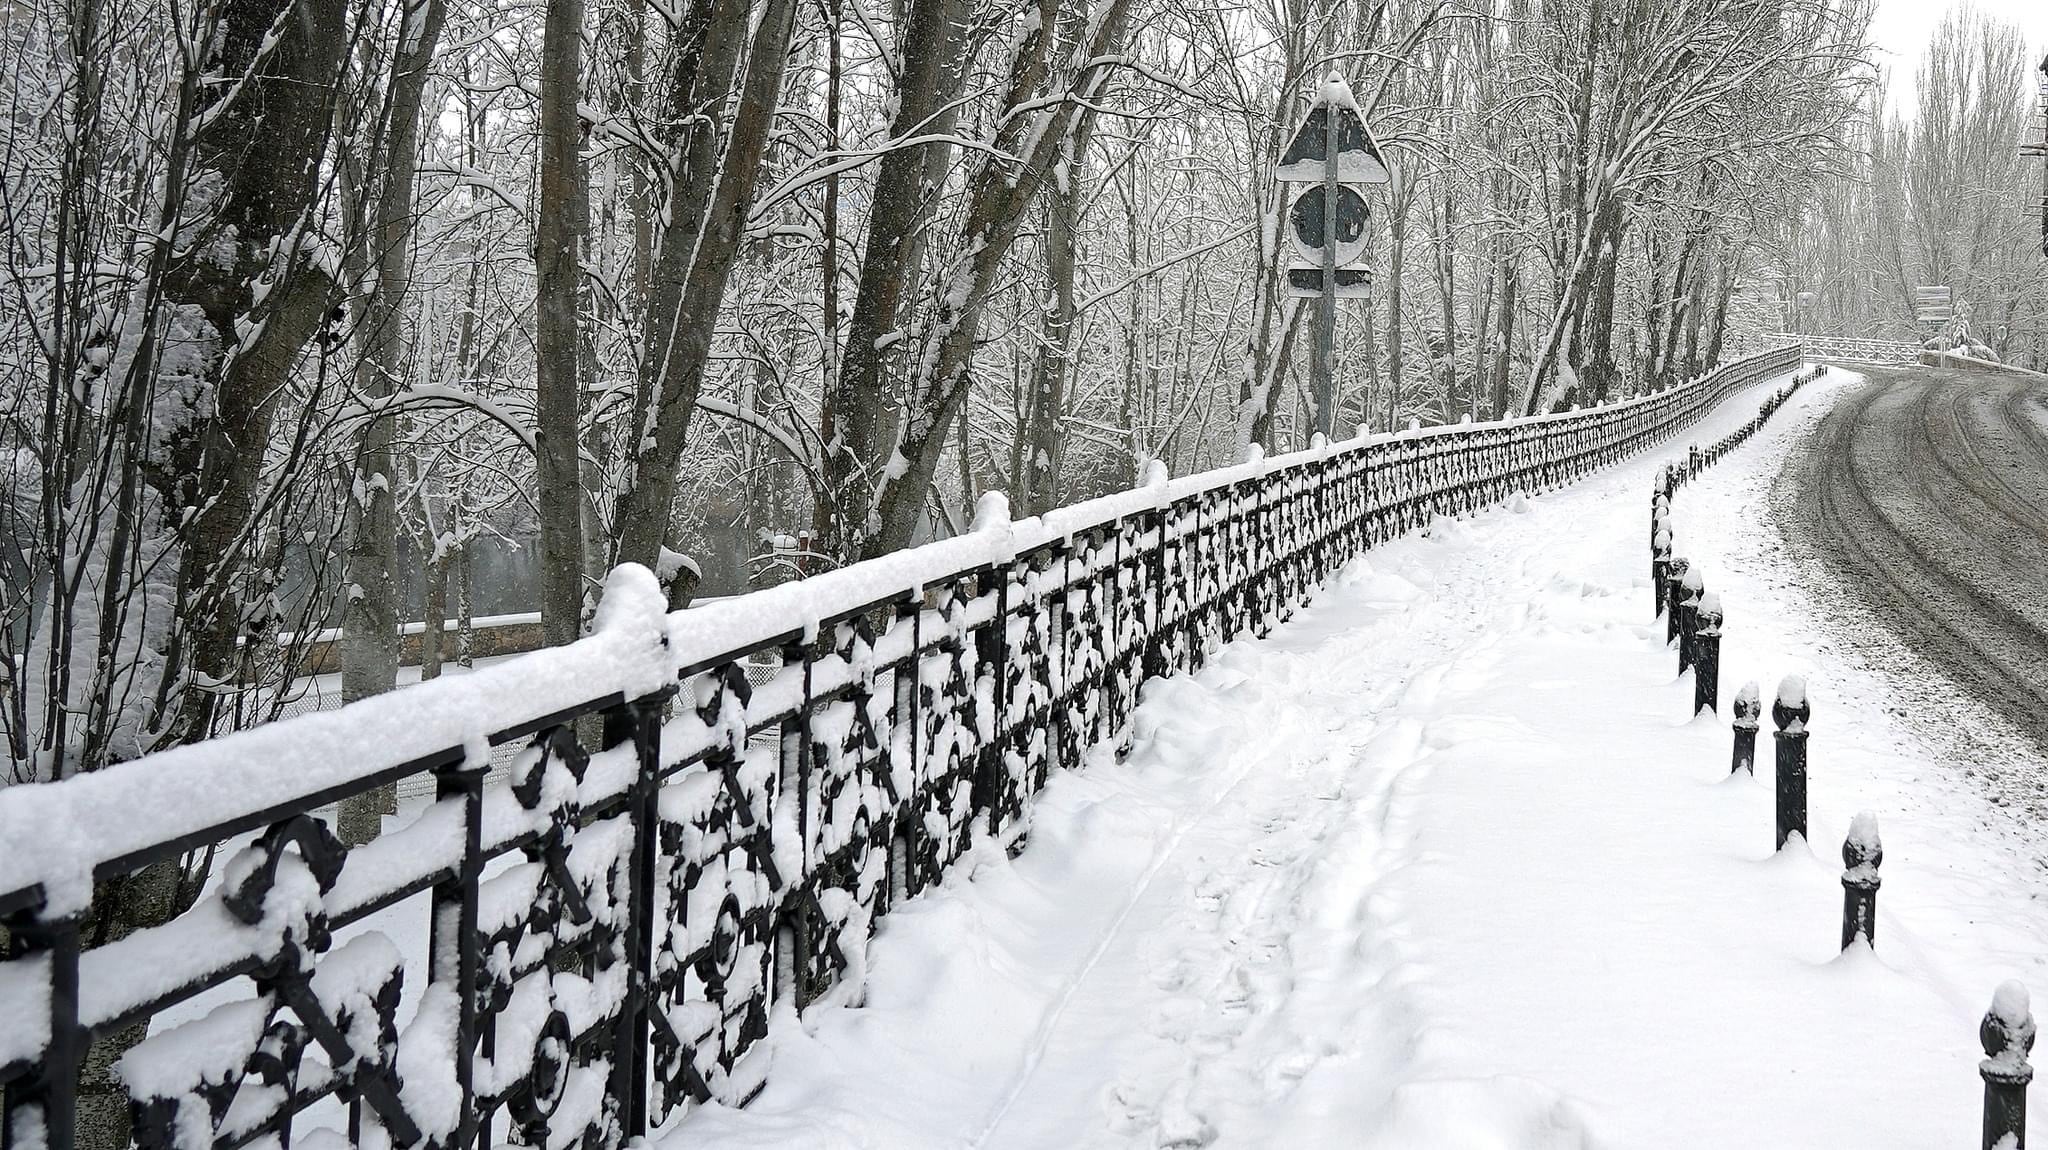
point(597, 942)
point(1861, 350)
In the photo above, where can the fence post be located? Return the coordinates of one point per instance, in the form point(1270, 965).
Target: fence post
point(1674, 574)
point(1790, 711)
point(41, 1109)
point(2007, 1033)
point(1749, 707)
point(1862, 852)
point(1692, 588)
point(1706, 655)
point(640, 722)
point(1660, 566)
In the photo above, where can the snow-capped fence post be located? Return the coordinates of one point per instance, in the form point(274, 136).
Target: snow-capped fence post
point(1660, 571)
point(2007, 1033)
point(456, 900)
point(1674, 575)
point(1749, 709)
point(638, 721)
point(1862, 852)
point(1790, 711)
point(1706, 655)
point(45, 1102)
point(1691, 589)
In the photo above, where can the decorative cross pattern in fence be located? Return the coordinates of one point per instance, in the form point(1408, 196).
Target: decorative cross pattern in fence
point(1860, 350)
point(585, 950)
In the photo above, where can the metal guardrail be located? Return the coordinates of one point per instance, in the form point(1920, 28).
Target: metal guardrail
point(596, 943)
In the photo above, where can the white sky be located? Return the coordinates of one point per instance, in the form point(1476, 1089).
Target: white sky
point(1902, 28)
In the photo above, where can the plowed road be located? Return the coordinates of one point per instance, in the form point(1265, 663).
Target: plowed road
point(1927, 492)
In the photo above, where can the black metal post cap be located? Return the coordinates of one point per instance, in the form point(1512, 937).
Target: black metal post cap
point(1791, 710)
point(1710, 617)
point(1749, 705)
point(2007, 1034)
point(1862, 853)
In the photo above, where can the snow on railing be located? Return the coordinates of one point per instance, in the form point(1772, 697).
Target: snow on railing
point(595, 943)
point(1860, 350)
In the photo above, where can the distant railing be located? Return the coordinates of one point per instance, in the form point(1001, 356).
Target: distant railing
point(1861, 350)
point(595, 944)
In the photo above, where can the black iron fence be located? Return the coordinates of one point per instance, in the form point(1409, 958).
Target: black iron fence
point(576, 954)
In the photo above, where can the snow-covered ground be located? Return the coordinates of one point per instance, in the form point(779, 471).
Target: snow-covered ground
point(1444, 863)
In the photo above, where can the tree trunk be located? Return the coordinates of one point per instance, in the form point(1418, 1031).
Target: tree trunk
point(1397, 248)
point(1599, 370)
point(1722, 293)
point(433, 615)
point(860, 413)
point(465, 633)
point(261, 145)
point(1038, 479)
point(558, 275)
point(672, 365)
point(999, 194)
point(1447, 293)
point(282, 114)
point(1504, 335)
point(369, 626)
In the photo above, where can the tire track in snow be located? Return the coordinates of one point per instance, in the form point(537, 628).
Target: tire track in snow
point(1902, 496)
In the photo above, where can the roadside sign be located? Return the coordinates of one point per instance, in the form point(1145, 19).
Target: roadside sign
point(1358, 156)
point(1309, 229)
point(1933, 305)
point(1328, 223)
point(1307, 282)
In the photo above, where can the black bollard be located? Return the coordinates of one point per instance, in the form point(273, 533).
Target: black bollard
point(1674, 573)
point(1749, 707)
point(2007, 1033)
point(1791, 711)
point(1861, 855)
point(1690, 588)
point(1660, 563)
point(1706, 655)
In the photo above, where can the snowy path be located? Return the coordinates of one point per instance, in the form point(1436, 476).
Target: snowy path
point(1442, 863)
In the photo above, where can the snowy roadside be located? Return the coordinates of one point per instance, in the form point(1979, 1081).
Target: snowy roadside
point(1444, 863)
